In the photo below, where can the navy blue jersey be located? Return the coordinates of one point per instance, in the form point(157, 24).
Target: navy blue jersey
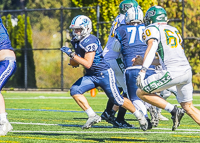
point(91, 43)
point(4, 38)
point(130, 37)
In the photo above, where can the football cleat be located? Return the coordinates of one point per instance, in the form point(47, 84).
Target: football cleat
point(91, 121)
point(142, 121)
point(149, 124)
point(5, 127)
point(109, 118)
point(177, 117)
point(154, 116)
point(122, 124)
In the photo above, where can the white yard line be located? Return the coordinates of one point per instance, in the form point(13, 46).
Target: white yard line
point(43, 97)
point(44, 124)
point(40, 97)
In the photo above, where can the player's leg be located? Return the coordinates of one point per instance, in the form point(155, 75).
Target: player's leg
point(156, 84)
point(7, 69)
point(118, 68)
point(192, 111)
point(130, 76)
point(109, 112)
point(108, 84)
point(185, 97)
point(111, 109)
point(164, 94)
point(120, 121)
point(77, 90)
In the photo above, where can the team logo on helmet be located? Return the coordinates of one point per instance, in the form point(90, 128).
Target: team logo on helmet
point(85, 22)
point(126, 6)
point(151, 13)
point(160, 17)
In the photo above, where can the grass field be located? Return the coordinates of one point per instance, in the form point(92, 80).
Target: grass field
point(55, 117)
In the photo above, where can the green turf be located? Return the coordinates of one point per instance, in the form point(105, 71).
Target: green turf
point(61, 123)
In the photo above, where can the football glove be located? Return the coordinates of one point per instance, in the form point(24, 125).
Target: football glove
point(68, 51)
point(140, 79)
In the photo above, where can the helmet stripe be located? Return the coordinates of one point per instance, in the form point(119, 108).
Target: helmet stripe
point(136, 13)
point(74, 20)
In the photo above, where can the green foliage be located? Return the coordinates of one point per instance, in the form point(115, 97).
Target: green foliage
point(17, 36)
point(4, 3)
point(108, 11)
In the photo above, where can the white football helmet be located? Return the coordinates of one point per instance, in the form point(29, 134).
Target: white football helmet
point(83, 22)
point(134, 14)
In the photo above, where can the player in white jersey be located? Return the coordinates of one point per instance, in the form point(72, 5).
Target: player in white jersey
point(116, 63)
point(166, 40)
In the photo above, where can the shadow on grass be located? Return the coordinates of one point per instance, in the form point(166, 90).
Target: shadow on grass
point(89, 137)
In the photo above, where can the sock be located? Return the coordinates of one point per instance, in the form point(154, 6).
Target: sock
point(121, 114)
point(109, 106)
point(90, 112)
point(137, 114)
point(169, 107)
point(3, 117)
point(139, 105)
point(158, 110)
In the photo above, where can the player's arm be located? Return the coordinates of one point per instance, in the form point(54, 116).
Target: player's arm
point(87, 60)
point(150, 53)
point(116, 45)
point(148, 58)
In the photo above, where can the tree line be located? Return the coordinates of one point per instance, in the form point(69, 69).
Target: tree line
point(42, 26)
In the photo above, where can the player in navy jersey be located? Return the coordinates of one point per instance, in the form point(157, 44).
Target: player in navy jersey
point(129, 42)
point(116, 63)
point(88, 52)
point(7, 69)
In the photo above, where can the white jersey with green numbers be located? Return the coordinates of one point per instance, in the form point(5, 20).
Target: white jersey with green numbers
point(171, 54)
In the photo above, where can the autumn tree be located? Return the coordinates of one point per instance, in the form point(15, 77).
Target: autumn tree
point(109, 9)
point(191, 31)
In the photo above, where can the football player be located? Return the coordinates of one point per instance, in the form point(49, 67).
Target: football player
point(7, 69)
point(88, 53)
point(116, 63)
point(176, 70)
point(129, 42)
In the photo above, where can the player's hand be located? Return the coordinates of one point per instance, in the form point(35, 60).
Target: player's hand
point(140, 79)
point(66, 50)
point(138, 60)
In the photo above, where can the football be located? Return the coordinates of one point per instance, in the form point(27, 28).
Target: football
point(73, 63)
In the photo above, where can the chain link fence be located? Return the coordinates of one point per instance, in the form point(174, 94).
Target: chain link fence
point(50, 31)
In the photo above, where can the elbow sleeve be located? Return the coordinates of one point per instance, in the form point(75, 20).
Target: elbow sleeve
point(149, 59)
